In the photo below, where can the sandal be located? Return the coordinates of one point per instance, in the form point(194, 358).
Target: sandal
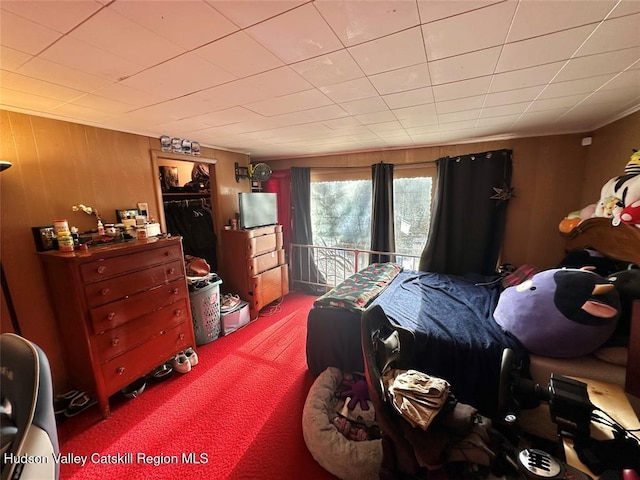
point(79, 404)
point(61, 402)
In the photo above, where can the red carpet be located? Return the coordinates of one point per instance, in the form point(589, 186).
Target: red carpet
point(238, 412)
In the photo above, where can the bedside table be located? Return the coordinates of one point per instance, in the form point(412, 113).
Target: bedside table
point(611, 399)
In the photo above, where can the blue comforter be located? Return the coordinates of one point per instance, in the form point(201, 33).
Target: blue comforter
point(456, 336)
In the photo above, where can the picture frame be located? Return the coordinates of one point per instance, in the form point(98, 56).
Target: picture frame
point(44, 238)
point(125, 213)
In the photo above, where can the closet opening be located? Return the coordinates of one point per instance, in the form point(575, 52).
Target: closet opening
point(186, 197)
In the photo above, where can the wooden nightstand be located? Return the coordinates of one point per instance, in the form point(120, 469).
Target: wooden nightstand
point(611, 399)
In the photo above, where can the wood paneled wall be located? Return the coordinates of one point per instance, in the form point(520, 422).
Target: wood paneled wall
point(59, 164)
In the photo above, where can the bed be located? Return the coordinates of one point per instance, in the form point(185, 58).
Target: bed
point(452, 320)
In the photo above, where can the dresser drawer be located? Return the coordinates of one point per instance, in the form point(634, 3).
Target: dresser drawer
point(119, 287)
point(260, 245)
point(104, 268)
point(264, 262)
point(114, 314)
point(119, 340)
point(124, 369)
point(270, 286)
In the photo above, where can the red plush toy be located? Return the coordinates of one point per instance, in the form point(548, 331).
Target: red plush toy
point(631, 214)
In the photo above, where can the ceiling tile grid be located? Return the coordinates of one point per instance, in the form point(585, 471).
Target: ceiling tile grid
point(284, 78)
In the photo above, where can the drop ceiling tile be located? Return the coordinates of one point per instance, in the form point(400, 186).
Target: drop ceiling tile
point(460, 104)
point(34, 86)
point(21, 100)
point(205, 24)
point(79, 112)
point(513, 96)
point(113, 33)
point(556, 103)
point(583, 85)
point(343, 124)
point(527, 77)
point(463, 67)
point(12, 59)
point(449, 37)
point(281, 81)
point(183, 75)
point(328, 112)
point(610, 62)
point(504, 122)
point(224, 54)
point(628, 79)
point(626, 7)
point(13, 30)
point(536, 18)
point(60, 15)
point(229, 95)
point(408, 78)
point(462, 89)
point(296, 35)
point(79, 55)
point(504, 110)
point(63, 75)
point(431, 10)
point(541, 50)
point(102, 104)
point(128, 95)
point(461, 116)
point(615, 34)
point(546, 117)
point(350, 90)
point(190, 128)
point(367, 105)
point(358, 22)
point(424, 111)
point(615, 97)
point(290, 103)
point(376, 117)
point(409, 98)
point(329, 69)
point(458, 125)
point(395, 51)
point(250, 12)
point(228, 116)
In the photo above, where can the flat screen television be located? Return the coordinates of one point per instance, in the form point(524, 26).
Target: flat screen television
point(258, 209)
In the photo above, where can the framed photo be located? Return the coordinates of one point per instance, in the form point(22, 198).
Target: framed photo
point(168, 178)
point(43, 237)
point(126, 213)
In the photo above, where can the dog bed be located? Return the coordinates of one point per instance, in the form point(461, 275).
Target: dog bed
point(346, 459)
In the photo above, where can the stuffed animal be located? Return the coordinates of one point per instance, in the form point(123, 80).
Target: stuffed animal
point(573, 219)
point(627, 284)
point(620, 192)
point(560, 312)
point(631, 214)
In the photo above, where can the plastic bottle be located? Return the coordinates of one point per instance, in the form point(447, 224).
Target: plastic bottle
point(65, 241)
point(100, 227)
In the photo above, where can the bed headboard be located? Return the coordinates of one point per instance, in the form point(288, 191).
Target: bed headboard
point(620, 243)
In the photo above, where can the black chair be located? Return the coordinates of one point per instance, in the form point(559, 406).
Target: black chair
point(386, 345)
point(28, 422)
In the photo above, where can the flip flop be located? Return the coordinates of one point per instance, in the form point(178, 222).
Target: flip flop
point(61, 402)
point(79, 404)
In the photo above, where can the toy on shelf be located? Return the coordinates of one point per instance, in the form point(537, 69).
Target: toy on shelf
point(620, 193)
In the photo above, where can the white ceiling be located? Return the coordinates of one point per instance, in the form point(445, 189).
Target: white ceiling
point(281, 78)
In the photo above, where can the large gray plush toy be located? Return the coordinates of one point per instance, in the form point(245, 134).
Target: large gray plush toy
point(560, 312)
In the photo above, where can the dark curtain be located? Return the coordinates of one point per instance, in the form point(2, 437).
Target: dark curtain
point(280, 183)
point(304, 267)
point(382, 231)
point(470, 209)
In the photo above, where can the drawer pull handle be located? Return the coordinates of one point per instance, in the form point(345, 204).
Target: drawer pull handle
point(175, 291)
point(111, 315)
point(115, 341)
point(178, 312)
point(168, 253)
point(104, 291)
point(181, 336)
point(172, 271)
point(101, 269)
point(120, 370)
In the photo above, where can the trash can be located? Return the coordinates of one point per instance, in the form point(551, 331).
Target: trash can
point(204, 296)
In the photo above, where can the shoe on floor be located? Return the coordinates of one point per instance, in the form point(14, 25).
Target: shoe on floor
point(181, 363)
point(62, 401)
point(79, 404)
point(192, 356)
point(229, 302)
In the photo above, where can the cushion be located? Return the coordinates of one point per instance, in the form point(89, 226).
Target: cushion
point(346, 459)
point(560, 312)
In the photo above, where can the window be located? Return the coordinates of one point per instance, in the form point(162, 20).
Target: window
point(341, 217)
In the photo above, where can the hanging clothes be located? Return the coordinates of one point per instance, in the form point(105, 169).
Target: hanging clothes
point(193, 221)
